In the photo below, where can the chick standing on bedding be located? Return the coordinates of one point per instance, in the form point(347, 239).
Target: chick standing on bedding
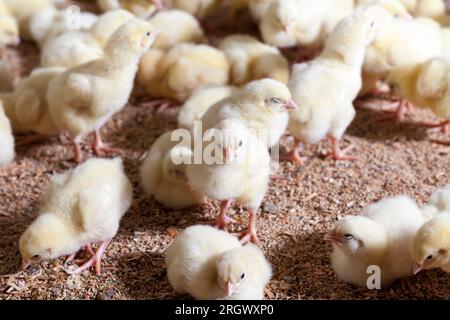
point(186, 29)
point(382, 235)
point(426, 85)
point(183, 69)
point(211, 264)
point(6, 139)
point(81, 206)
point(164, 178)
point(324, 89)
point(200, 101)
point(253, 60)
point(241, 171)
point(261, 104)
point(83, 98)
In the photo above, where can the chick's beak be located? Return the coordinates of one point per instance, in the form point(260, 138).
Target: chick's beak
point(25, 263)
point(332, 237)
point(417, 268)
point(15, 41)
point(229, 288)
point(290, 105)
point(228, 154)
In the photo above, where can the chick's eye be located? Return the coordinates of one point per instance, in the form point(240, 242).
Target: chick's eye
point(148, 34)
point(240, 143)
point(36, 256)
point(348, 236)
point(243, 276)
point(275, 100)
point(430, 257)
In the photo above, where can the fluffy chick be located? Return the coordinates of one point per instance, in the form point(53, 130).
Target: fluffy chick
point(31, 111)
point(140, 8)
point(81, 206)
point(9, 31)
point(183, 69)
point(258, 8)
point(107, 24)
point(381, 235)
point(187, 28)
point(200, 101)
point(236, 167)
point(165, 179)
point(329, 113)
point(7, 153)
point(261, 104)
point(431, 246)
point(252, 60)
point(83, 98)
point(199, 8)
point(211, 264)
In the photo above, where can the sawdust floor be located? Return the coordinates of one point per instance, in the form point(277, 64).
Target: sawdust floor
point(299, 208)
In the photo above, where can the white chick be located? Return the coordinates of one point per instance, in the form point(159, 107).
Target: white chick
point(140, 8)
point(258, 8)
point(9, 31)
point(163, 173)
point(83, 98)
point(200, 101)
point(199, 8)
point(81, 206)
point(252, 60)
point(237, 167)
point(440, 199)
point(23, 10)
point(31, 111)
point(434, 9)
point(329, 112)
point(187, 28)
point(183, 69)
point(107, 24)
point(211, 264)
point(382, 235)
point(7, 153)
point(431, 247)
point(261, 104)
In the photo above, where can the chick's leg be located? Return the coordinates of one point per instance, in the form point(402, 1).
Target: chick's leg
point(100, 148)
point(160, 4)
point(223, 220)
point(161, 105)
point(337, 153)
point(95, 260)
point(78, 156)
point(294, 155)
point(399, 113)
point(442, 126)
point(250, 233)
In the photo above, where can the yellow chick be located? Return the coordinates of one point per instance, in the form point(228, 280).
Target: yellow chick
point(426, 85)
point(236, 165)
point(211, 264)
point(431, 246)
point(23, 10)
point(81, 206)
point(381, 236)
point(7, 153)
point(261, 104)
point(329, 112)
point(31, 111)
point(252, 60)
point(163, 173)
point(187, 28)
point(199, 102)
point(434, 9)
point(107, 24)
point(9, 31)
point(258, 8)
point(183, 69)
point(140, 8)
point(83, 98)
point(199, 8)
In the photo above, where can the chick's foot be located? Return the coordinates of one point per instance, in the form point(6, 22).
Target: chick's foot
point(161, 105)
point(95, 260)
point(443, 126)
point(397, 115)
point(338, 154)
point(294, 156)
point(100, 148)
point(223, 220)
point(250, 234)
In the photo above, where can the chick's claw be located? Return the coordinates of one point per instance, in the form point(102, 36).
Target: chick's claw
point(294, 156)
point(100, 148)
point(338, 154)
point(95, 260)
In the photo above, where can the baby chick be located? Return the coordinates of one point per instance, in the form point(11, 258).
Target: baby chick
point(6, 139)
point(434, 9)
point(9, 31)
point(329, 112)
point(199, 8)
point(211, 264)
point(258, 8)
point(187, 28)
point(199, 102)
point(261, 104)
point(183, 69)
point(381, 235)
point(431, 247)
point(164, 178)
point(252, 60)
point(237, 167)
point(426, 85)
point(81, 206)
point(83, 98)
point(140, 8)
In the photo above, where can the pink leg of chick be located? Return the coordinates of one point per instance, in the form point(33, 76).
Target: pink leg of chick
point(95, 260)
point(443, 126)
point(294, 155)
point(337, 153)
point(223, 220)
point(161, 105)
point(78, 155)
point(86, 248)
point(250, 233)
point(160, 4)
point(100, 148)
point(399, 113)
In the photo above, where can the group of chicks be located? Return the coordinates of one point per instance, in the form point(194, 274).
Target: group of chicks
point(243, 90)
